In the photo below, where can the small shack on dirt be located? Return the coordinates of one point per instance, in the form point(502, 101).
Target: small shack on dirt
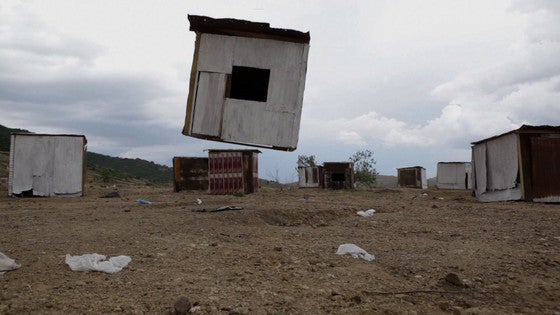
point(412, 177)
point(311, 177)
point(190, 173)
point(522, 164)
point(232, 171)
point(47, 165)
point(338, 175)
point(246, 83)
point(454, 175)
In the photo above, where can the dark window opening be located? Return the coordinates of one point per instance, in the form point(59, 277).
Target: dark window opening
point(249, 83)
point(338, 177)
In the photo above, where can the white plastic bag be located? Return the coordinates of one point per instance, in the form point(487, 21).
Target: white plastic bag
point(97, 262)
point(7, 264)
point(367, 213)
point(355, 251)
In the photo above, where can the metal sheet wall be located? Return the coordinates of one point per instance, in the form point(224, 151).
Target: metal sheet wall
point(233, 171)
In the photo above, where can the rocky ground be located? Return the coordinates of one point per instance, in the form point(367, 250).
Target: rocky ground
point(435, 252)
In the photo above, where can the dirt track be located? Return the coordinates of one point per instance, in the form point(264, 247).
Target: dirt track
point(440, 253)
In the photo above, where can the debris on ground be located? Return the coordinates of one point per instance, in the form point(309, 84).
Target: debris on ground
point(367, 213)
point(144, 202)
point(355, 251)
point(112, 194)
point(97, 262)
point(7, 264)
point(225, 208)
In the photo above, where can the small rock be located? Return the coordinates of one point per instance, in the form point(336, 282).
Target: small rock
point(278, 248)
point(453, 278)
point(182, 306)
point(357, 299)
point(434, 207)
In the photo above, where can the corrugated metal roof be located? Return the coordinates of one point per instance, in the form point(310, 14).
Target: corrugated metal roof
point(47, 135)
point(243, 28)
point(524, 129)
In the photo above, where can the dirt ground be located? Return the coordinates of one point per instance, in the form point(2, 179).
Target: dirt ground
point(437, 253)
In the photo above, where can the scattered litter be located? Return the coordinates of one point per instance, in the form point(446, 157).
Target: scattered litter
point(355, 251)
point(97, 262)
point(112, 194)
point(144, 202)
point(367, 213)
point(198, 201)
point(425, 194)
point(224, 208)
point(7, 264)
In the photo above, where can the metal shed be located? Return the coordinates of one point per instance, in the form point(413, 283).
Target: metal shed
point(412, 177)
point(246, 83)
point(310, 177)
point(190, 173)
point(522, 164)
point(232, 171)
point(338, 175)
point(47, 165)
point(454, 175)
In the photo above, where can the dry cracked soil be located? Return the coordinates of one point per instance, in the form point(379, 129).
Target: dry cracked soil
point(436, 251)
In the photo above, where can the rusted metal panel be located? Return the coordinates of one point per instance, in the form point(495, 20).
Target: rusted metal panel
point(338, 175)
point(311, 177)
point(545, 168)
point(232, 171)
point(190, 173)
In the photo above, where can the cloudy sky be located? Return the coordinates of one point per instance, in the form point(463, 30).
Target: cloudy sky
point(413, 81)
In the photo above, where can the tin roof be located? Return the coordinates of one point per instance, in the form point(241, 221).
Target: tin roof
point(243, 28)
point(47, 135)
point(524, 129)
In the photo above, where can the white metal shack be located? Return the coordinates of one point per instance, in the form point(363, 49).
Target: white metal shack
point(47, 165)
point(522, 164)
point(246, 84)
point(454, 175)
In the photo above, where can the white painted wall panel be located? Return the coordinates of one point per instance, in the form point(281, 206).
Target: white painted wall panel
point(68, 166)
point(502, 162)
point(271, 123)
point(479, 167)
point(248, 122)
point(48, 165)
point(208, 105)
point(215, 53)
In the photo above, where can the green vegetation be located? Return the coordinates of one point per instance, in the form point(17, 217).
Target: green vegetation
point(110, 168)
point(364, 168)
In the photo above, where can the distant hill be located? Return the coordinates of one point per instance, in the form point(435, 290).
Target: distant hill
point(130, 168)
point(104, 164)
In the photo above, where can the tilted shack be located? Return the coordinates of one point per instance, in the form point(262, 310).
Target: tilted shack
point(522, 164)
point(338, 175)
point(246, 84)
point(47, 165)
point(232, 171)
point(190, 173)
point(454, 175)
point(412, 177)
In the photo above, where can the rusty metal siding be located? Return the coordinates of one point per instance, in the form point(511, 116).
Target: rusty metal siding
point(231, 171)
point(412, 177)
point(545, 167)
point(310, 177)
point(338, 175)
point(190, 173)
